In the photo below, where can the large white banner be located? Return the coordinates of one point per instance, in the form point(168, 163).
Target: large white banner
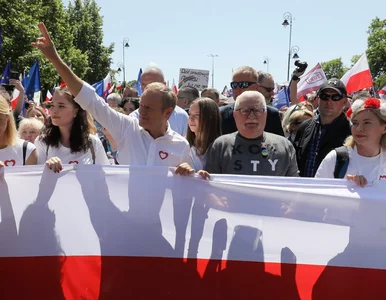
point(195, 78)
point(93, 232)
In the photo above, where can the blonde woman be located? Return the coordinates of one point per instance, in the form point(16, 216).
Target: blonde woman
point(13, 151)
point(366, 147)
point(29, 129)
point(295, 120)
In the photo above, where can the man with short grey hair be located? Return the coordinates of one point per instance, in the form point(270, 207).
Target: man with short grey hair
point(266, 86)
point(250, 150)
point(186, 95)
point(114, 100)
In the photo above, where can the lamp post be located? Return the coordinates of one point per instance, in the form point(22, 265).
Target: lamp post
point(266, 62)
point(294, 51)
point(120, 67)
point(213, 57)
point(288, 21)
point(125, 44)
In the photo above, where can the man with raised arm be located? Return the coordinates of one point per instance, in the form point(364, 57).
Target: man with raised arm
point(148, 141)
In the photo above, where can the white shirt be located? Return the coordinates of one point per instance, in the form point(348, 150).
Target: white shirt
point(67, 157)
point(13, 155)
point(135, 145)
point(198, 161)
point(178, 120)
point(372, 168)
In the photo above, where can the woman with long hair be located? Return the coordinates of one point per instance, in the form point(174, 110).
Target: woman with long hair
point(13, 151)
point(366, 147)
point(204, 126)
point(67, 138)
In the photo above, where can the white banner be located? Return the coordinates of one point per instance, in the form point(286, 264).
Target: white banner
point(195, 78)
point(311, 81)
point(93, 232)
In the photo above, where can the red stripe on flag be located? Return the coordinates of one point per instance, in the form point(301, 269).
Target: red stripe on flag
point(109, 277)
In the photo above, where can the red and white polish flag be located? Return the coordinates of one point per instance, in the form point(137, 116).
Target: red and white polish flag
point(48, 96)
point(382, 93)
point(359, 76)
point(311, 81)
point(94, 232)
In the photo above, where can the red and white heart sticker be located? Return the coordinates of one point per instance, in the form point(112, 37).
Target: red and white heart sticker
point(10, 163)
point(163, 155)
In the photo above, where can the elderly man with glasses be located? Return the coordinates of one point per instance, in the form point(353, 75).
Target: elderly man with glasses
point(250, 150)
point(316, 137)
point(247, 79)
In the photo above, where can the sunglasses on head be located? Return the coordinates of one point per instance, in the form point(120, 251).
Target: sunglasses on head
point(334, 97)
point(242, 84)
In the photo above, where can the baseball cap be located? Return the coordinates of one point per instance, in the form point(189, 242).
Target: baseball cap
point(334, 84)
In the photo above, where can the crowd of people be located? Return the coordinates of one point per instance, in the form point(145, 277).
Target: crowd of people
point(330, 135)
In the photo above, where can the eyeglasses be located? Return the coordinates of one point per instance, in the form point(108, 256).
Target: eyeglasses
point(241, 84)
point(268, 89)
point(334, 97)
point(247, 111)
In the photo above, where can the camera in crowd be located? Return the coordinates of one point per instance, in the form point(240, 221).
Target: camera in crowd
point(9, 87)
point(301, 66)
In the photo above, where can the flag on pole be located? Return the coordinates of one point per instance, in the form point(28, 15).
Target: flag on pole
point(282, 98)
point(174, 87)
point(311, 81)
point(118, 87)
point(33, 86)
point(48, 96)
point(382, 93)
point(138, 84)
point(102, 87)
point(6, 74)
point(359, 76)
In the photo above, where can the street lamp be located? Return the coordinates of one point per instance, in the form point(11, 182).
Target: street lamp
point(213, 56)
point(294, 51)
point(125, 44)
point(288, 21)
point(120, 67)
point(266, 62)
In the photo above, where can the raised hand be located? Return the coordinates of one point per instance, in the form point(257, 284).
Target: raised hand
point(18, 85)
point(45, 44)
point(360, 180)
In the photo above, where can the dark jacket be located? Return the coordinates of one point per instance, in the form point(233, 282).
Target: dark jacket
point(273, 124)
point(334, 137)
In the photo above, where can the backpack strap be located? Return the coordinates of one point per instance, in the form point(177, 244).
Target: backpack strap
point(92, 152)
point(25, 144)
point(342, 160)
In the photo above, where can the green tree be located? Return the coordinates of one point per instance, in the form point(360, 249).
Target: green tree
point(334, 68)
point(86, 26)
point(354, 59)
point(376, 51)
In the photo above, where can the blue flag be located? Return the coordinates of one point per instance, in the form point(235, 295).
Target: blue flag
point(98, 88)
point(138, 84)
point(32, 83)
point(6, 74)
point(281, 98)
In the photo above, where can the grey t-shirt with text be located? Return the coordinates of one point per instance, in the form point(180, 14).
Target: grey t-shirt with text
point(268, 155)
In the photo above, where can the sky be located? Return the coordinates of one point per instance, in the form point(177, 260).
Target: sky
point(176, 34)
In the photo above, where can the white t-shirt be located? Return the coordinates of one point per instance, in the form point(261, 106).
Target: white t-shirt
point(67, 157)
point(13, 155)
point(135, 145)
point(178, 120)
point(198, 161)
point(373, 168)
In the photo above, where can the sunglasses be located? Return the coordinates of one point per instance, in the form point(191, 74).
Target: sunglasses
point(268, 89)
point(335, 97)
point(241, 84)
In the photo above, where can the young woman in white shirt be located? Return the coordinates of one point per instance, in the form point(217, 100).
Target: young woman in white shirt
point(366, 147)
point(67, 138)
point(204, 126)
point(13, 151)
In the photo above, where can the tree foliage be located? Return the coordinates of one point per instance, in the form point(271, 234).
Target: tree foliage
point(376, 51)
point(86, 27)
point(19, 20)
point(334, 68)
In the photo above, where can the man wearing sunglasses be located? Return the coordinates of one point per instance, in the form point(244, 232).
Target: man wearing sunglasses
point(247, 79)
point(328, 130)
